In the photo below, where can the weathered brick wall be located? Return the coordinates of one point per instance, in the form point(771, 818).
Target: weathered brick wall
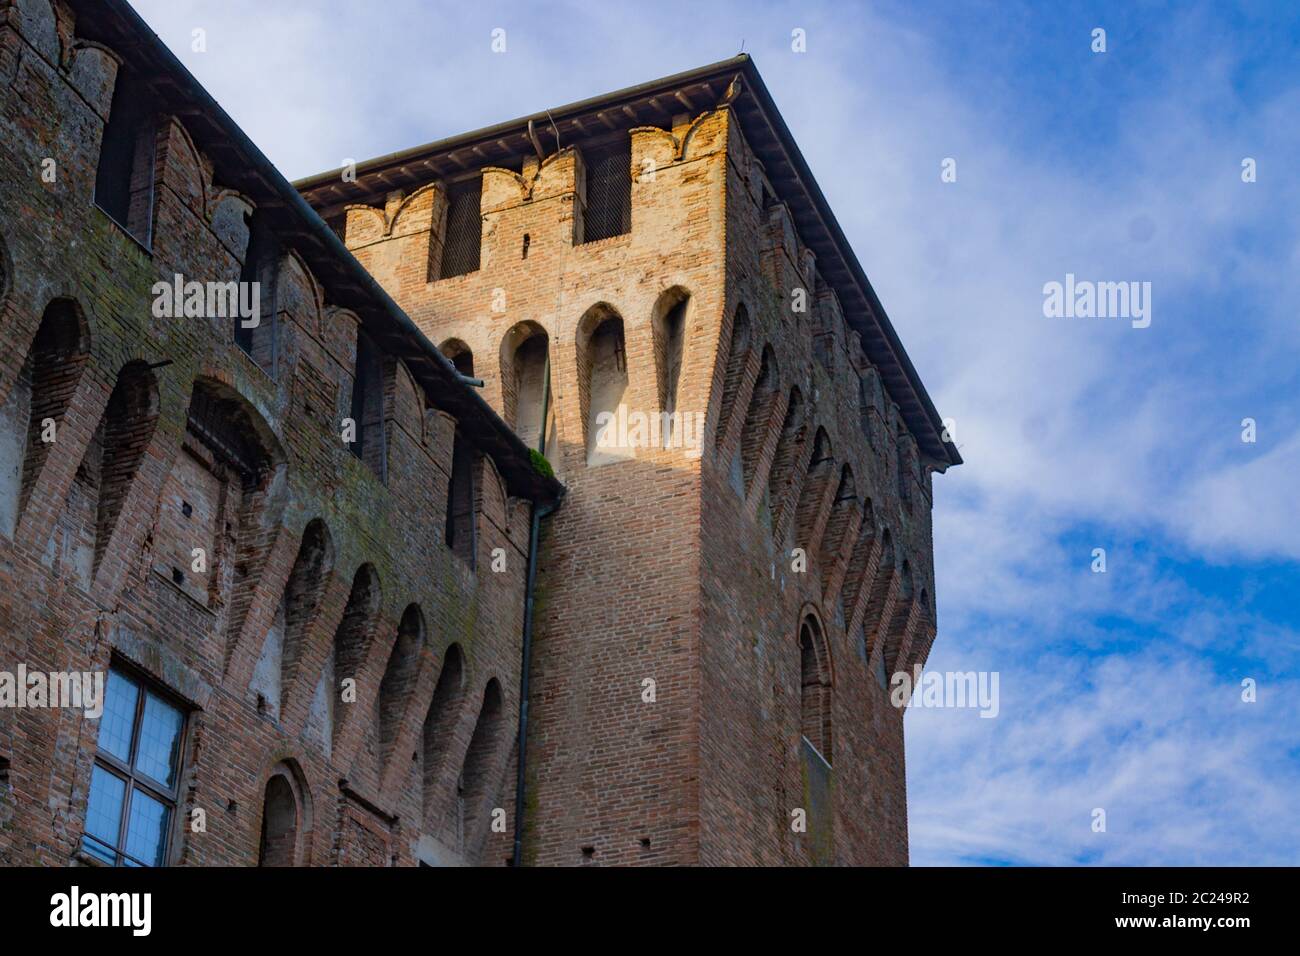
point(54, 101)
point(755, 771)
point(678, 568)
point(618, 596)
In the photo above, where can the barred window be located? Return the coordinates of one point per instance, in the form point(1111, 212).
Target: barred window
point(136, 776)
point(464, 234)
point(609, 192)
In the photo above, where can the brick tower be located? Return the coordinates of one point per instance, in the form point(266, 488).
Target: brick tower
point(657, 297)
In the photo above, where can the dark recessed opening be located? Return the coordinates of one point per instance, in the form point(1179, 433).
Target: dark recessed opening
point(527, 241)
point(178, 576)
point(588, 852)
point(186, 509)
point(645, 843)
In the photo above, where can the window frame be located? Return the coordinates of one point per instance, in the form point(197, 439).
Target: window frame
point(133, 778)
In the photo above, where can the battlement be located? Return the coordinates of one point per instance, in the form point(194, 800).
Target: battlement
point(294, 529)
point(795, 524)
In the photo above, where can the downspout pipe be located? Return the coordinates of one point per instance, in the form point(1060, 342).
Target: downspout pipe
point(525, 667)
point(538, 513)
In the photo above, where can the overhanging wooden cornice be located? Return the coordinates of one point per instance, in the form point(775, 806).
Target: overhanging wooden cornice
point(655, 104)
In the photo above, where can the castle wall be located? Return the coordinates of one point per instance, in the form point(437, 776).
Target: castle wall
point(772, 490)
point(612, 777)
point(717, 616)
point(98, 547)
point(680, 569)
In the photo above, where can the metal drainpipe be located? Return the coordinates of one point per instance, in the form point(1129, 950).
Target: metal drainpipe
point(534, 530)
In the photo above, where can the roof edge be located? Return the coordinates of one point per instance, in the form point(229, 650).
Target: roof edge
point(752, 83)
point(522, 477)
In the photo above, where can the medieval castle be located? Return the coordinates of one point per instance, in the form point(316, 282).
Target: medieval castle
point(561, 497)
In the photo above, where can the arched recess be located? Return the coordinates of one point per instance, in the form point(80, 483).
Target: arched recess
point(815, 684)
point(855, 575)
point(34, 410)
point(124, 175)
point(439, 725)
point(351, 641)
point(905, 581)
point(475, 784)
point(902, 610)
point(526, 385)
point(887, 555)
point(460, 530)
point(399, 677)
point(303, 592)
point(282, 649)
point(285, 838)
point(789, 443)
point(261, 265)
point(869, 398)
point(837, 525)
point(906, 467)
point(737, 356)
point(602, 382)
point(668, 323)
point(108, 466)
point(224, 489)
point(759, 414)
point(460, 355)
point(367, 408)
point(821, 469)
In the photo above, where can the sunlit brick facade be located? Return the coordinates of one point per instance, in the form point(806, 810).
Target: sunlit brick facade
point(303, 549)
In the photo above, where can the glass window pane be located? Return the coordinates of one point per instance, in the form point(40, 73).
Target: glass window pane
point(96, 849)
point(104, 809)
point(146, 832)
point(116, 722)
point(160, 735)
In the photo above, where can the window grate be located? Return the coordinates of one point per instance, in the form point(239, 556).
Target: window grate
point(609, 192)
point(461, 243)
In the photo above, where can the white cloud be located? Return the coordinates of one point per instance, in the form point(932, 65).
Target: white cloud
point(1250, 506)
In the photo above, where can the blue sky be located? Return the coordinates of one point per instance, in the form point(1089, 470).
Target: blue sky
point(1119, 691)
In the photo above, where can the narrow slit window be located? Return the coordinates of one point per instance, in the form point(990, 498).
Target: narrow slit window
point(460, 501)
point(261, 266)
point(368, 406)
